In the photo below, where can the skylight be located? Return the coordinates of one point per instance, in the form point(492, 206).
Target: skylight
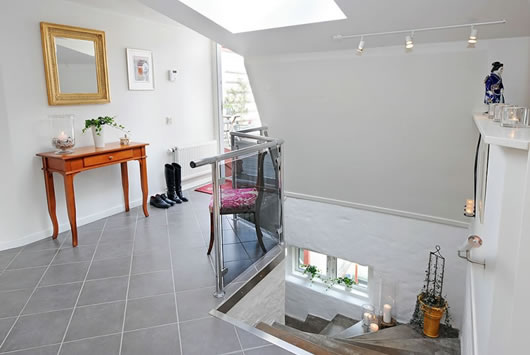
point(251, 15)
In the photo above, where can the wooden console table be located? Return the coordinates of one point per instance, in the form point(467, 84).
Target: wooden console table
point(86, 158)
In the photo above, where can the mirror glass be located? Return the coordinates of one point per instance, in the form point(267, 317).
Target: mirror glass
point(76, 64)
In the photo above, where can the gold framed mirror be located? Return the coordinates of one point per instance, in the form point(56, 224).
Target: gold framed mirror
point(75, 64)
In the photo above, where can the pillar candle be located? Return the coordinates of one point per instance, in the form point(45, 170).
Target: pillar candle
point(387, 313)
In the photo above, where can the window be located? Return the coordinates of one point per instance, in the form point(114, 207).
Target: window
point(330, 267)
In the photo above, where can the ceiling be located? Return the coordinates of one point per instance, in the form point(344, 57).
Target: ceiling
point(363, 16)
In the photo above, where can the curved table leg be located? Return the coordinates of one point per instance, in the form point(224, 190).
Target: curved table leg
point(70, 205)
point(125, 184)
point(50, 196)
point(143, 180)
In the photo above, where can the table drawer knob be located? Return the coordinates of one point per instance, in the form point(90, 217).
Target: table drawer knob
point(111, 157)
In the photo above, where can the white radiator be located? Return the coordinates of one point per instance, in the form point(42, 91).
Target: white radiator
point(183, 155)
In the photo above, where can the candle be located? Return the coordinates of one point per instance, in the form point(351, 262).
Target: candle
point(367, 318)
point(387, 313)
point(374, 327)
point(62, 136)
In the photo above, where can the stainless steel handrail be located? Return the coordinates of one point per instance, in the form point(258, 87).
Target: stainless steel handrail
point(253, 129)
point(237, 153)
point(251, 136)
point(269, 143)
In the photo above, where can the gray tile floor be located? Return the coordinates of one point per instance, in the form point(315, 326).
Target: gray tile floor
point(134, 285)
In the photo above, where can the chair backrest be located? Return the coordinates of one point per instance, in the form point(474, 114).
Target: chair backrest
point(260, 181)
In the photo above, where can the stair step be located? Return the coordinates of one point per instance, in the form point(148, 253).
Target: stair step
point(312, 324)
point(419, 346)
point(338, 324)
point(403, 331)
point(330, 345)
point(293, 339)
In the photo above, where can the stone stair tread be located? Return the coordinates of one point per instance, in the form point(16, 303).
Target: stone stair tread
point(382, 349)
point(311, 324)
point(419, 346)
point(338, 324)
point(403, 331)
point(332, 346)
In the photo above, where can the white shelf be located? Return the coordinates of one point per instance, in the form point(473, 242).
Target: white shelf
point(493, 133)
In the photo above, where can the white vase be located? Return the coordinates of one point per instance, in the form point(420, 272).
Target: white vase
point(99, 140)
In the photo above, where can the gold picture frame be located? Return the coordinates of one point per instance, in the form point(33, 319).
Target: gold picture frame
point(97, 76)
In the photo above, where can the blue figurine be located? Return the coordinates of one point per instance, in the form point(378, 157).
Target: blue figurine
point(493, 82)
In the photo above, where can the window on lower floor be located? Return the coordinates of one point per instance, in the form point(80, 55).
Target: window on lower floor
point(331, 268)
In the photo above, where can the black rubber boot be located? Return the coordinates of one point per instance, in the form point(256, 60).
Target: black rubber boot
point(169, 172)
point(178, 182)
point(157, 202)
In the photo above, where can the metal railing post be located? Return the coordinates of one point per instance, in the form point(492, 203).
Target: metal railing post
point(218, 242)
point(282, 192)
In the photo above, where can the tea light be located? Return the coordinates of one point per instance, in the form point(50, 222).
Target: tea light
point(387, 313)
point(374, 328)
point(62, 136)
point(513, 116)
point(469, 210)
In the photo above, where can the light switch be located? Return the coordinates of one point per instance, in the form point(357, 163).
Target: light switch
point(169, 120)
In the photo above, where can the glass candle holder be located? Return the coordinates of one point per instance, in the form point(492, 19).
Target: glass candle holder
point(491, 111)
point(368, 314)
point(514, 116)
point(497, 117)
point(63, 137)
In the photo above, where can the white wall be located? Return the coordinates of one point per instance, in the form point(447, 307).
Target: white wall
point(387, 129)
point(394, 247)
point(24, 110)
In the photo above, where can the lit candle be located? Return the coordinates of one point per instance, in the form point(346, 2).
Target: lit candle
point(367, 318)
point(387, 313)
point(374, 327)
point(62, 136)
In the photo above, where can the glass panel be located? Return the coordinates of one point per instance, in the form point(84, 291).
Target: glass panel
point(76, 63)
point(354, 271)
point(251, 210)
point(239, 108)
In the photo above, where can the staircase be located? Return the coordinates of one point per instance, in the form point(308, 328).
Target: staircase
point(345, 336)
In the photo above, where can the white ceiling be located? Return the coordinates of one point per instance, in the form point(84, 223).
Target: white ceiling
point(363, 16)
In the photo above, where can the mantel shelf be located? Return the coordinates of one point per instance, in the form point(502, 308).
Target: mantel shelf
point(493, 133)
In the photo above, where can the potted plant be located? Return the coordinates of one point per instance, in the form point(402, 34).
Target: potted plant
point(431, 305)
point(311, 271)
point(97, 125)
point(347, 282)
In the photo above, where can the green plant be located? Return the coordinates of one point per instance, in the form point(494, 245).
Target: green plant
point(99, 122)
point(311, 270)
point(236, 99)
point(346, 281)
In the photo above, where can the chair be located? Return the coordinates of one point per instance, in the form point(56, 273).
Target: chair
point(243, 200)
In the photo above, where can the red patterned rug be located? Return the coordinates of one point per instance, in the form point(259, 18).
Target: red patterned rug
point(207, 189)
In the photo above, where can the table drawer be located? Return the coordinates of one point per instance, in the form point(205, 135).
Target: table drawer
point(107, 157)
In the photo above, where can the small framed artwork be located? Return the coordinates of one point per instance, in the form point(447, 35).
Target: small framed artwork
point(140, 69)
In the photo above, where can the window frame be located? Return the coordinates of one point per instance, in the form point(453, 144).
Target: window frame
point(331, 272)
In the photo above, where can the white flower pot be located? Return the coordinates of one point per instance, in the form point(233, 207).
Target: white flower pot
point(99, 140)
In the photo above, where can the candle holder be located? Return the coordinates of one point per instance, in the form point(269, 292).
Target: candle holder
point(491, 111)
point(497, 116)
point(368, 314)
point(125, 140)
point(514, 116)
point(63, 133)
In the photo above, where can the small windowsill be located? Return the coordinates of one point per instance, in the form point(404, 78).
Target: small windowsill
point(355, 296)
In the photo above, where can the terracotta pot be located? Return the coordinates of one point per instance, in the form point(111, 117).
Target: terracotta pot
point(431, 318)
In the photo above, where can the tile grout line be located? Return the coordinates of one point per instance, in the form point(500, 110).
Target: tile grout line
point(81, 290)
point(128, 284)
point(173, 283)
point(16, 256)
point(31, 295)
point(239, 340)
point(202, 236)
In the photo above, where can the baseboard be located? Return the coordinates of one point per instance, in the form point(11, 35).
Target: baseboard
point(413, 215)
point(64, 227)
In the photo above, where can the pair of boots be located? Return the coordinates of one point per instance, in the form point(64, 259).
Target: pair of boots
point(173, 182)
